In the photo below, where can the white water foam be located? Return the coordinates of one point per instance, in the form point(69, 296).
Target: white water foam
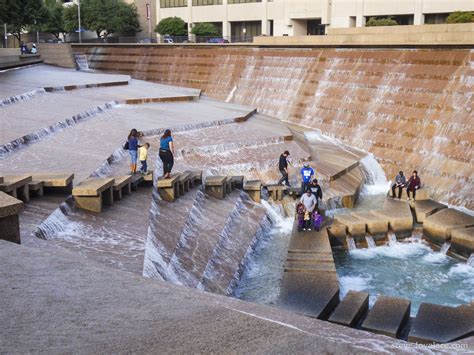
point(397, 251)
point(376, 181)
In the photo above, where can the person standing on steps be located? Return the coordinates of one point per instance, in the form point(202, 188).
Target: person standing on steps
point(317, 191)
point(283, 167)
point(400, 182)
point(309, 202)
point(413, 184)
point(132, 146)
point(166, 153)
point(307, 174)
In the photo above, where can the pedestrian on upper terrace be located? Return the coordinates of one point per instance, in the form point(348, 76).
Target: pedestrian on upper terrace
point(166, 153)
point(317, 191)
point(400, 183)
point(283, 167)
point(307, 174)
point(414, 183)
point(132, 146)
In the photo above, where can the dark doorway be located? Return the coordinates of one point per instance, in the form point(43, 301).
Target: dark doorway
point(315, 28)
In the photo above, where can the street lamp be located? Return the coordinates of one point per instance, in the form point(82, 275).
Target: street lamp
point(79, 19)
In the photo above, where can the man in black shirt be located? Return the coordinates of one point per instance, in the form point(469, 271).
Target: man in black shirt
point(283, 167)
point(317, 191)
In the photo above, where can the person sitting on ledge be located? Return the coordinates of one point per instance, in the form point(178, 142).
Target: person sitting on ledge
point(400, 182)
point(414, 183)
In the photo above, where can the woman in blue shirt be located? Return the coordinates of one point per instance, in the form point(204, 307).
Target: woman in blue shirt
point(166, 153)
point(133, 149)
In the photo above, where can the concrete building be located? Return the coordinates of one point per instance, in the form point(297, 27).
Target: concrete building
point(248, 18)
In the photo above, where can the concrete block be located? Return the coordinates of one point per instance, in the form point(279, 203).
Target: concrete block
point(310, 294)
point(93, 187)
point(276, 191)
point(238, 181)
point(462, 241)
point(215, 186)
point(37, 188)
point(183, 183)
point(388, 316)
point(398, 214)
point(351, 310)
point(54, 179)
point(338, 230)
point(355, 226)
point(375, 224)
point(168, 188)
point(122, 186)
point(91, 194)
point(425, 208)
point(89, 203)
point(17, 186)
point(440, 225)
point(229, 185)
point(253, 189)
point(10, 207)
point(441, 324)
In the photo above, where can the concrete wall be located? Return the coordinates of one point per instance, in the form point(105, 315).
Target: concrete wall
point(412, 108)
point(289, 16)
point(59, 54)
point(456, 34)
point(8, 55)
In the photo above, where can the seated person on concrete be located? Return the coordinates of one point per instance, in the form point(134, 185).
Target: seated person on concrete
point(413, 184)
point(400, 183)
point(307, 174)
point(23, 48)
point(33, 49)
point(316, 190)
point(142, 156)
point(309, 202)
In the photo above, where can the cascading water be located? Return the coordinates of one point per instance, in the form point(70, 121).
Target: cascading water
point(470, 261)
point(370, 241)
point(376, 181)
point(407, 269)
point(392, 239)
point(351, 245)
point(445, 248)
point(260, 281)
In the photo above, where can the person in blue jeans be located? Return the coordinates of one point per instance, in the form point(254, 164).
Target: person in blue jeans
point(307, 174)
point(133, 149)
point(166, 153)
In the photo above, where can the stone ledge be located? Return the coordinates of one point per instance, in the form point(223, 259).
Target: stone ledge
point(441, 324)
point(388, 316)
point(375, 225)
point(462, 241)
point(440, 225)
point(355, 226)
point(9, 205)
point(426, 208)
point(351, 310)
point(92, 187)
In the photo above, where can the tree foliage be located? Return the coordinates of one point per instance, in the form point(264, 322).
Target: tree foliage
point(104, 17)
point(173, 26)
point(382, 21)
point(460, 17)
point(55, 19)
point(18, 15)
point(205, 29)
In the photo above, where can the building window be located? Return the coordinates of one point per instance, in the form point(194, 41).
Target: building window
point(206, 2)
point(242, 1)
point(433, 19)
point(245, 31)
point(173, 3)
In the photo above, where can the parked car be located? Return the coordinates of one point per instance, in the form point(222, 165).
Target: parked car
point(217, 40)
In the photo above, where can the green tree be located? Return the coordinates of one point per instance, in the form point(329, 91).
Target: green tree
point(460, 17)
point(19, 15)
point(173, 26)
point(205, 29)
point(55, 19)
point(104, 17)
point(382, 21)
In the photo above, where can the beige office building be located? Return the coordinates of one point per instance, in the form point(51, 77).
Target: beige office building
point(302, 17)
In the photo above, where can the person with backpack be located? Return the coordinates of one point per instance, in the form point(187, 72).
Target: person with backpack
point(132, 146)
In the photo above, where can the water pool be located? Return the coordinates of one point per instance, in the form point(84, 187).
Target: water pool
point(409, 270)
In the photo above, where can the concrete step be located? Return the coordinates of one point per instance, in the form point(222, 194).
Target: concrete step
point(397, 214)
point(235, 242)
point(425, 208)
point(355, 226)
point(388, 316)
point(440, 225)
point(311, 266)
point(462, 241)
point(374, 224)
point(352, 309)
point(440, 324)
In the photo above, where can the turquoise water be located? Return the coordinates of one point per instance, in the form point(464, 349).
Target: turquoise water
point(410, 270)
